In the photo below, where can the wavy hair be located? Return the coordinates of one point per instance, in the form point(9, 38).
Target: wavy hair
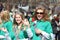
point(14, 21)
point(45, 14)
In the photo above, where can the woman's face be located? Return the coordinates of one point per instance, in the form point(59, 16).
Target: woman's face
point(39, 14)
point(18, 18)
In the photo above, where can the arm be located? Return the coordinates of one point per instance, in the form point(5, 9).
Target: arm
point(47, 30)
point(29, 32)
point(10, 29)
point(26, 24)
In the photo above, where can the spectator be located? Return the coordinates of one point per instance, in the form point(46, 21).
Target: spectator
point(54, 25)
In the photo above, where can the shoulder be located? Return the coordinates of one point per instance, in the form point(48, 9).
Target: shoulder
point(8, 23)
point(47, 22)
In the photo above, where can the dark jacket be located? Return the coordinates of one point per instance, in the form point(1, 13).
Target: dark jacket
point(54, 26)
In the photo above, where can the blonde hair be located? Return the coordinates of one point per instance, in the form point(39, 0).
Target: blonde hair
point(14, 21)
point(5, 15)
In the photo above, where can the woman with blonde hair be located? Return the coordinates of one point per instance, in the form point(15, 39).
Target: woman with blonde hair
point(21, 27)
point(7, 24)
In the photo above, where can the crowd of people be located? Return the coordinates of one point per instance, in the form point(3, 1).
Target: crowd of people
point(40, 24)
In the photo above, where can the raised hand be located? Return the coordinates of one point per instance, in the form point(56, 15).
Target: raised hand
point(26, 22)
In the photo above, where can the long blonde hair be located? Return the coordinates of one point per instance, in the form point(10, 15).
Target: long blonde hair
point(15, 23)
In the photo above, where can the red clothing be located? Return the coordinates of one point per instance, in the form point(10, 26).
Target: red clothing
point(33, 19)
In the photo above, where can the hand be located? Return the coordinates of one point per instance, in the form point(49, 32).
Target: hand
point(38, 31)
point(3, 29)
point(26, 22)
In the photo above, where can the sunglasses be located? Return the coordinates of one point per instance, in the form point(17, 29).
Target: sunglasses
point(39, 13)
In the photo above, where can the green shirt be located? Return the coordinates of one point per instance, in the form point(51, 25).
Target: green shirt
point(42, 25)
point(8, 26)
point(21, 34)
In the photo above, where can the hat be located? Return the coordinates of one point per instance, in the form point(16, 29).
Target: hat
point(55, 15)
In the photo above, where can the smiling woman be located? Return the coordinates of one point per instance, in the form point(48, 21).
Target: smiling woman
point(21, 27)
point(40, 13)
point(41, 28)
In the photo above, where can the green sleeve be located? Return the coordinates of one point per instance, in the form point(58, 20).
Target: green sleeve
point(35, 37)
point(9, 28)
point(48, 28)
